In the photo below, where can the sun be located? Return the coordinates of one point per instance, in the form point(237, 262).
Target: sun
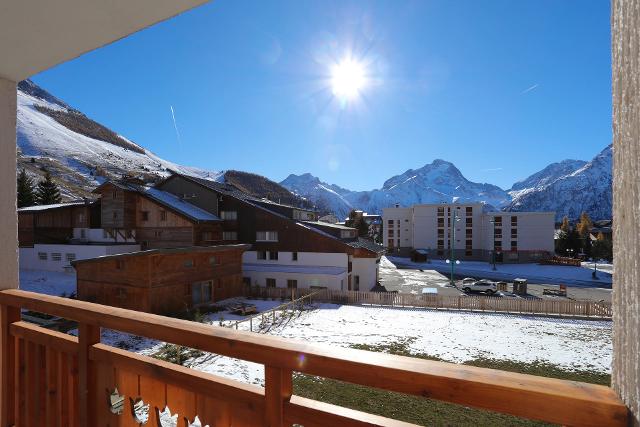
point(348, 78)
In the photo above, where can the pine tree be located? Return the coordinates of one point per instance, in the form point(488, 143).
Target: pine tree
point(26, 197)
point(565, 224)
point(48, 192)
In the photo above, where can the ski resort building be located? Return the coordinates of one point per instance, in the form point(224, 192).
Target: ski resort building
point(473, 233)
point(289, 246)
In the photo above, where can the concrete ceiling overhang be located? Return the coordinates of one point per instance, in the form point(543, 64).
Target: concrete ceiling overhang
point(38, 34)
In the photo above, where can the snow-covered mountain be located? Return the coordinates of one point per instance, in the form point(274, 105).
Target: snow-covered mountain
point(588, 188)
point(436, 182)
point(79, 152)
point(546, 176)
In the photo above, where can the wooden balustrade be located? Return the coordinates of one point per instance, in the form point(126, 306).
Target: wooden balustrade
point(49, 378)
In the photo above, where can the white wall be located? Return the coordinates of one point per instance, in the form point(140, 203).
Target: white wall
point(367, 270)
point(259, 278)
point(304, 258)
point(402, 221)
point(29, 259)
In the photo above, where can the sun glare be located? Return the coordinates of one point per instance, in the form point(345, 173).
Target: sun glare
point(347, 79)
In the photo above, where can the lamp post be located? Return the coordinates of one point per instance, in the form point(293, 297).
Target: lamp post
point(493, 239)
point(595, 261)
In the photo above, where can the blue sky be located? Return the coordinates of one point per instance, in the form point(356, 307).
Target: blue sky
point(500, 88)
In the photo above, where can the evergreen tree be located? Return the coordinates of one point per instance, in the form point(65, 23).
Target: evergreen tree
point(26, 196)
point(569, 243)
point(48, 192)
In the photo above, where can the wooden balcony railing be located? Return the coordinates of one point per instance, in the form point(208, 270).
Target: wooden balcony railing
point(53, 379)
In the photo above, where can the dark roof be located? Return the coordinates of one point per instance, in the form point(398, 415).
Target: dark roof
point(188, 249)
point(38, 208)
point(367, 244)
point(168, 200)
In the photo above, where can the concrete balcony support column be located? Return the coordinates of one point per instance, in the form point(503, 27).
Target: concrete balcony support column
point(8, 215)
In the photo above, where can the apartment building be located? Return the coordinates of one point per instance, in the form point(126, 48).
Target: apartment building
point(469, 231)
point(289, 246)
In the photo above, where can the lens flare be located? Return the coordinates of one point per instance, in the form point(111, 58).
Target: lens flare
point(348, 78)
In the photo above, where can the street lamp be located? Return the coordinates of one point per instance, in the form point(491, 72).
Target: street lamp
point(493, 239)
point(595, 261)
point(453, 242)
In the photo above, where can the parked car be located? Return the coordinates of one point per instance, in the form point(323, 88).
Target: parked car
point(482, 285)
point(468, 281)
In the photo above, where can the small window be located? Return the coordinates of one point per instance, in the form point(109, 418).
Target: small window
point(42, 256)
point(157, 233)
point(294, 256)
point(469, 210)
point(207, 236)
point(514, 245)
point(213, 260)
point(114, 194)
point(356, 286)
point(56, 256)
point(229, 215)
point(188, 263)
point(115, 215)
point(163, 215)
point(262, 254)
point(514, 221)
point(145, 215)
point(469, 222)
point(468, 252)
point(440, 211)
point(292, 284)
point(273, 255)
point(267, 236)
point(514, 233)
point(229, 235)
point(390, 222)
point(70, 257)
point(271, 283)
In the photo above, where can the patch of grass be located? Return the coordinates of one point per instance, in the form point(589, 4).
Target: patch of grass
point(423, 411)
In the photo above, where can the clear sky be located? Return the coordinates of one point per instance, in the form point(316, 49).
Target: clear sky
point(358, 91)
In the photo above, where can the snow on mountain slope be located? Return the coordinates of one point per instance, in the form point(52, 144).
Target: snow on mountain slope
point(327, 197)
point(545, 176)
point(79, 162)
point(587, 189)
point(437, 182)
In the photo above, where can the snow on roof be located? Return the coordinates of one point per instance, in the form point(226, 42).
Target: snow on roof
point(300, 269)
point(422, 252)
point(178, 204)
point(54, 206)
point(328, 225)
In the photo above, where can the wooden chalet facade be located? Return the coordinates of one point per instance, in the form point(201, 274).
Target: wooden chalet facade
point(162, 281)
point(49, 224)
point(155, 219)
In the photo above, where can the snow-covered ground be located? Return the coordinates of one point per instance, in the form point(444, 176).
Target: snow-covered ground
point(48, 282)
point(452, 336)
point(535, 273)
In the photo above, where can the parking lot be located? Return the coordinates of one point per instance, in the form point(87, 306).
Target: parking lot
point(414, 280)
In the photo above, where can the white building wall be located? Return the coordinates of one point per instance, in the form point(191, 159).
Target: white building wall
point(305, 280)
point(367, 270)
point(402, 227)
point(30, 259)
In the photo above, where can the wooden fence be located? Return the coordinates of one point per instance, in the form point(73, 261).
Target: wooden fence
point(271, 315)
point(540, 306)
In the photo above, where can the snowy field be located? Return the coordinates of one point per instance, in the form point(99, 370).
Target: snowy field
point(452, 336)
point(48, 282)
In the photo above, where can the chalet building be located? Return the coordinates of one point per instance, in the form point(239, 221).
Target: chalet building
point(51, 236)
point(155, 218)
point(162, 281)
point(289, 247)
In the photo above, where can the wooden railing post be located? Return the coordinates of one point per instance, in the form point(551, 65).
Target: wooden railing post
point(88, 335)
point(8, 315)
point(278, 387)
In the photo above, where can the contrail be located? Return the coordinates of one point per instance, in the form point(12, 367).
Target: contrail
point(529, 89)
point(175, 125)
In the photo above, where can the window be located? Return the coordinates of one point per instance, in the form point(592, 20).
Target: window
point(391, 233)
point(262, 254)
point(390, 222)
point(468, 252)
point(188, 263)
point(390, 243)
point(294, 256)
point(440, 253)
point(70, 257)
point(229, 235)
point(469, 233)
point(115, 215)
point(440, 222)
point(440, 211)
point(114, 194)
point(440, 244)
point(469, 222)
point(292, 284)
point(498, 245)
point(163, 215)
point(271, 283)
point(157, 233)
point(145, 215)
point(273, 255)
point(497, 233)
point(498, 220)
point(469, 244)
point(56, 256)
point(213, 261)
point(441, 233)
point(350, 264)
point(514, 233)
point(201, 293)
point(207, 236)
point(356, 285)
point(469, 210)
point(514, 245)
point(266, 236)
point(229, 215)
point(42, 256)
point(514, 221)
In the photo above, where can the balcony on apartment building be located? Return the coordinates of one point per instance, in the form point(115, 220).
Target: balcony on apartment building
point(48, 378)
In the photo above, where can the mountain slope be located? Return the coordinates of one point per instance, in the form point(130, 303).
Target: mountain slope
point(587, 189)
point(437, 182)
point(546, 176)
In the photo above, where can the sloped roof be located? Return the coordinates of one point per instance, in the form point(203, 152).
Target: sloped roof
point(37, 208)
